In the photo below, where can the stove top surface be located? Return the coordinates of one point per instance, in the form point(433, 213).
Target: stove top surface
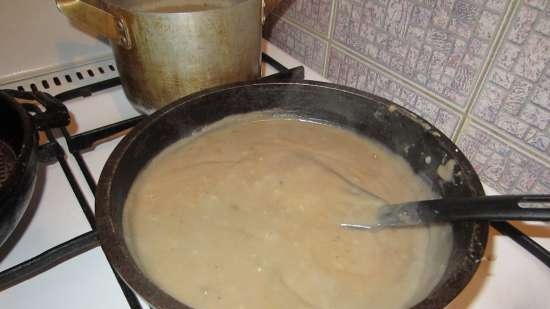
point(509, 277)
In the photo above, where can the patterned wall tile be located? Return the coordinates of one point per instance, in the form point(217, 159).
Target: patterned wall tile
point(502, 167)
point(312, 14)
point(515, 99)
point(345, 70)
point(301, 45)
point(438, 44)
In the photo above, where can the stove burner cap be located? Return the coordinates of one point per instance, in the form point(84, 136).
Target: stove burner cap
point(7, 162)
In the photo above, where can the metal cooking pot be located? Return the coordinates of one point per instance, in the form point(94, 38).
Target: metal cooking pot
point(395, 127)
point(19, 152)
point(167, 49)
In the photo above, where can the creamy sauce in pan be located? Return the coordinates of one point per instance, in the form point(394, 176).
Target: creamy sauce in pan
point(247, 216)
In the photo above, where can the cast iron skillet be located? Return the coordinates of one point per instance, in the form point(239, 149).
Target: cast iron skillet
point(19, 153)
point(18, 140)
point(399, 129)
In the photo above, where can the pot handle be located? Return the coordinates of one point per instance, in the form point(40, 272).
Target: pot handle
point(90, 13)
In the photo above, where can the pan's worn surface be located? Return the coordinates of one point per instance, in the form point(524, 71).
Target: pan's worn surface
point(395, 127)
point(167, 49)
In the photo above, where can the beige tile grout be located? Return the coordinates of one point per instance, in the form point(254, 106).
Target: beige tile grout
point(330, 31)
point(404, 80)
point(397, 79)
point(357, 57)
point(294, 22)
point(491, 58)
point(513, 141)
point(354, 57)
point(363, 59)
point(322, 36)
point(314, 34)
point(465, 117)
point(388, 73)
point(478, 123)
point(427, 93)
point(481, 123)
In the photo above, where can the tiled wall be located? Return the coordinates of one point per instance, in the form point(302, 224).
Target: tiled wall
point(477, 69)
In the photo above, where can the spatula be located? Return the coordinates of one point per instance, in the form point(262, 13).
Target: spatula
point(487, 208)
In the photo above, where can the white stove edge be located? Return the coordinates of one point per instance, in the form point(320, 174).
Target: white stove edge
point(509, 277)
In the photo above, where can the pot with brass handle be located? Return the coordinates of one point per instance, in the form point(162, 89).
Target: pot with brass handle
point(168, 49)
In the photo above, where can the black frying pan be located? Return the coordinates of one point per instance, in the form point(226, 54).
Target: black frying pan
point(19, 124)
point(397, 128)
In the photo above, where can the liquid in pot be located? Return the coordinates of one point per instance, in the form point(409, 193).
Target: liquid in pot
point(246, 215)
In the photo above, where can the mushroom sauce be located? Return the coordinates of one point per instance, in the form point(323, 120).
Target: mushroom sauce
point(245, 214)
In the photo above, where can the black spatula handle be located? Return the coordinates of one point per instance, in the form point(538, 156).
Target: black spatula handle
point(489, 208)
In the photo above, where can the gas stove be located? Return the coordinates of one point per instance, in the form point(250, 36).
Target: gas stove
point(48, 54)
